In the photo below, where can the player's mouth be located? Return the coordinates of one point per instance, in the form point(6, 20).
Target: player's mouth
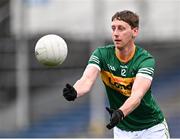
point(117, 41)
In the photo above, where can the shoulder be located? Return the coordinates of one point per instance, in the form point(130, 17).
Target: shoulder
point(146, 63)
point(105, 48)
point(100, 55)
point(143, 53)
point(143, 56)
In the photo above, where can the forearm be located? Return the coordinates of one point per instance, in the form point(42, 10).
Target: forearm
point(82, 87)
point(139, 89)
point(85, 83)
point(130, 104)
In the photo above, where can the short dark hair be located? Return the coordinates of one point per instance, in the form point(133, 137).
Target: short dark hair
point(127, 16)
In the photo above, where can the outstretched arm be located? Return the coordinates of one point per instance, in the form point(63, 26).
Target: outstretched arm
point(84, 84)
point(140, 87)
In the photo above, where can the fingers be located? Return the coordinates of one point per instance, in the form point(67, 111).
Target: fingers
point(69, 93)
point(109, 110)
point(68, 86)
point(112, 123)
point(65, 89)
point(110, 126)
point(116, 117)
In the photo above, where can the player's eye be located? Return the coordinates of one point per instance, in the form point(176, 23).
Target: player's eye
point(113, 28)
point(121, 28)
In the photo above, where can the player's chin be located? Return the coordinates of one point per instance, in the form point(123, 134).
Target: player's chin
point(119, 45)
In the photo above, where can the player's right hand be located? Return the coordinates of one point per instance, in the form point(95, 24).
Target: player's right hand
point(69, 93)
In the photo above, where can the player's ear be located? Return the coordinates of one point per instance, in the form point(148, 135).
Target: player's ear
point(135, 32)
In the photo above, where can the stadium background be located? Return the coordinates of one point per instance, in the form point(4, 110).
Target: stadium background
point(31, 102)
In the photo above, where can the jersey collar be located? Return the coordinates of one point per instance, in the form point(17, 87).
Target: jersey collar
point(129, 58)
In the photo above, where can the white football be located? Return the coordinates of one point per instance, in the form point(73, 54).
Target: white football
point(51, 50)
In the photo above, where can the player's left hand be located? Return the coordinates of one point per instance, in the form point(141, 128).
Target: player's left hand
point(116, 117)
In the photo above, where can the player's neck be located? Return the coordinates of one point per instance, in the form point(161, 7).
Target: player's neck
point(125, 54)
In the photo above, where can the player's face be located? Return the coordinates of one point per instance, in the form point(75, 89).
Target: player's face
point(122, 33)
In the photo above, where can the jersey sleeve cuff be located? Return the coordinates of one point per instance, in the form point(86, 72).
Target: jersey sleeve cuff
point(144, 75)
point(94, 65)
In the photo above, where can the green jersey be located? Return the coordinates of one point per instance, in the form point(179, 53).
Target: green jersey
point(118, 78)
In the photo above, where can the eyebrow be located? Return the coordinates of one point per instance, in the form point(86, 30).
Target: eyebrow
point(118, 25)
